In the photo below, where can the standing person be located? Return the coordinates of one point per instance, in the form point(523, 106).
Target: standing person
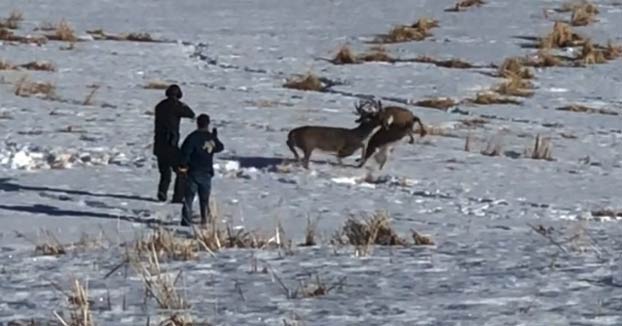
point(168, 114)
point(197, 158)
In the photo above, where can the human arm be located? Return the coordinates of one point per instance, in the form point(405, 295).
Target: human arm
point(219, 146)
point(185, 111)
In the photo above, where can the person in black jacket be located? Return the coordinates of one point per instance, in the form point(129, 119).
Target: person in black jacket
point(168, 114)
point(197, 158)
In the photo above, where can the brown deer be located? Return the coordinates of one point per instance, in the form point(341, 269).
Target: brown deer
point(341, 141)
point(398, 122)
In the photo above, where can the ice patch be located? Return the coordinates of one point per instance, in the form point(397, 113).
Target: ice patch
point(558, 90)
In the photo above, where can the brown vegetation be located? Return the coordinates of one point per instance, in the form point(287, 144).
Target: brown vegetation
point(12, 22)
point(344, 56)
point(560, 37)
point(437, 103)
point(374, 230)
point(99, 34)
point(586, 109)
point(488, 98)
point(38, 66)
point(515, 86)
point(308, 82)
point(5, 65)
point(450, 63)
point(515, 67)
point(542, 149)
point(25, 87)
point(63, 32)
point(404, 33)
point(80, 311)
point(376, 54)
point(9, 36)
point(544, 59)
point(465, 4)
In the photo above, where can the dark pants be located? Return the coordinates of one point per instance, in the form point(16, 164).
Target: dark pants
point(166, 168)
point(201, 184)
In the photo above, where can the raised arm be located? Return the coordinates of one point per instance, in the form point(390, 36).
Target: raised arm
point(185, 111)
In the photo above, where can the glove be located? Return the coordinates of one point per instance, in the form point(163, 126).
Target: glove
point(214, 132)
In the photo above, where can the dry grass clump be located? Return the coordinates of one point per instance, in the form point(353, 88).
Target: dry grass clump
point(450, 63)
point(607, 213)
point(25, 87)
point(418, 31)
point(489, 98)
point(165, 244)
point(38, 66)
point(308, 82)
point(9, 36)
point(50, 246)
point(441, 103)
point(363, 234)
point(63, 32)
point(465, 4)
point(544, 59)
point(402, 33)
point(612, 51)
point(574, 5)
point(140, 37)
point(99, 34)
point(425, 24)
point(344, 56)
point(494, 146)
point(157, 84)
point(591, 55)
point(560, 37)
point(586, 109)
point(12, 22)
point(583, 15)
point(515, 86)
point(159, 285)
point(213, 238)
point(80, 311)
point(376, 54)
point(542, 149)
point(5, 65)
point(515, 67)
point(421, 240)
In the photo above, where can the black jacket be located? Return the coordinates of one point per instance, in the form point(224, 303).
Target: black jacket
point(167, 115)
point(197, 152)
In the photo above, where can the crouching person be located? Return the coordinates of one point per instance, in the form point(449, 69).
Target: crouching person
point(197, 152)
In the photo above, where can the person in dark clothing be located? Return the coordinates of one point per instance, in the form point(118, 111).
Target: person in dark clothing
point(197, 158)
point(168, 114)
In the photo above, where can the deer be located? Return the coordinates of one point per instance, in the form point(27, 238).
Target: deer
point(397, 122)
point(342, 142)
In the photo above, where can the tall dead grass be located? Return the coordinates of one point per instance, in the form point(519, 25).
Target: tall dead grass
point(449, 63)
point(515, 67)
point(369, 231)
point(80, 307)
point(63, 32)
point(561, 36)
point(13, 21)
point(541, 150)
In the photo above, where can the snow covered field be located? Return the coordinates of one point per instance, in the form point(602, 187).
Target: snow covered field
point(75, 169)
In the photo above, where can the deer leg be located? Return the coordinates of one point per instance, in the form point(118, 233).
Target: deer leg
point(366, 153)
point(290, 144)
point(382, 156)
point(412, 139)
point(306, 158)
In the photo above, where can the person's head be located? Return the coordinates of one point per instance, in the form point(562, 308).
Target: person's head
point(174, 91)
point(203, 121)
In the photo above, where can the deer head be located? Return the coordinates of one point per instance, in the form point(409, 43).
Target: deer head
point(367, 110)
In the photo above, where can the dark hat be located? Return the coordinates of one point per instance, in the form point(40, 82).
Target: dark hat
point(174, 91)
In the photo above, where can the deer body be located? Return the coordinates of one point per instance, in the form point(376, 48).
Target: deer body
point(398, 122)
point(343, 142)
